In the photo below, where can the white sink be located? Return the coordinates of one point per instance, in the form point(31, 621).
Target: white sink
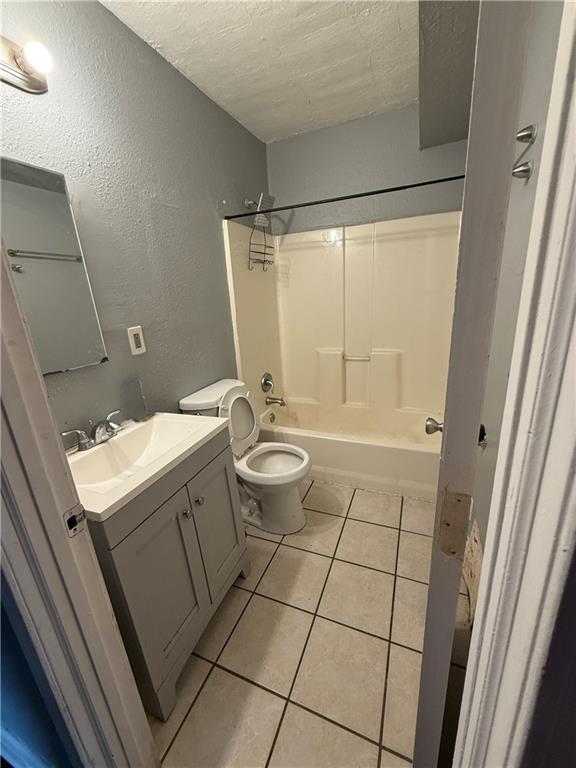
point(109, 475)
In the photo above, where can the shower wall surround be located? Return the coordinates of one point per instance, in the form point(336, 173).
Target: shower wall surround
point(354, 322)
point(254, 314)
point(146, 157)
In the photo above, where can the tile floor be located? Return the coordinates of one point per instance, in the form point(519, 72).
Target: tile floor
point(313, 661)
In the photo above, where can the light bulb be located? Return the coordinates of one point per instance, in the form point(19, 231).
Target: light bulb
point(35, 57)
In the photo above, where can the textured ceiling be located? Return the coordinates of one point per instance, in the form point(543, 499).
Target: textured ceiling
point(284, 67)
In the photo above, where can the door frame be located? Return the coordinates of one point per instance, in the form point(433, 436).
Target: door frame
point(52, 573)
point(492, 147)
point(532, 526)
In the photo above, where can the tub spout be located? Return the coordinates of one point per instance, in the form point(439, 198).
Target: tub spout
point(275, 401)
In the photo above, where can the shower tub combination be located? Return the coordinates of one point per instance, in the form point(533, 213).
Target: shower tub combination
point(396, 463)
point(354, 324)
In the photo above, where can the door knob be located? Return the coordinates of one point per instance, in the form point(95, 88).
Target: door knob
point(433, 426)
point(187, 514)
point(199, 500)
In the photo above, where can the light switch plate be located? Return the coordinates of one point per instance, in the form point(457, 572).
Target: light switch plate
point(136, 339)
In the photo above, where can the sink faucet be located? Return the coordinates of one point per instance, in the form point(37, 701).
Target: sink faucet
point(83, 442)
point(275, 401)
point(105, 429)
point(101, 431)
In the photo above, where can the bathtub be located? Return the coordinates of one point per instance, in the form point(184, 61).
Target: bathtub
point(385, 463)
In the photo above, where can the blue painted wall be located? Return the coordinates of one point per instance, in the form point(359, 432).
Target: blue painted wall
point(30, 738)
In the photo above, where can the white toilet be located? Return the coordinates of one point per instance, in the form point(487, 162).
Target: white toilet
point(269, 473)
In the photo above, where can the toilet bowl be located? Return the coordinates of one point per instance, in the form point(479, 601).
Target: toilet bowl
point(268, 473)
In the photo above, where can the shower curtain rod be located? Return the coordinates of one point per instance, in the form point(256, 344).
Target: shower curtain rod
point(340, 199)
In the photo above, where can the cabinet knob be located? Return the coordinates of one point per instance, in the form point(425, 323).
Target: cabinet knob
point(186, 513)
point(199, 500)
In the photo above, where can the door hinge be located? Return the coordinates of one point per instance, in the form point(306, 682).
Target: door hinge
point(74, 520)
point(454, 523)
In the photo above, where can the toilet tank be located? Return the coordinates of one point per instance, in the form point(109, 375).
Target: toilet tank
point(205, 401)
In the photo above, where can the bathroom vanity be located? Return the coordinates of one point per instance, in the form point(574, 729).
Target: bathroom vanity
point(164, 514)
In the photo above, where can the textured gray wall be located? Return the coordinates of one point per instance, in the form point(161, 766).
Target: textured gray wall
point(146, 156)
point(369, 153)
point(446, 52)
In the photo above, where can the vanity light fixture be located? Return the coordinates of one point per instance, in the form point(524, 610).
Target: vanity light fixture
point(25, 68)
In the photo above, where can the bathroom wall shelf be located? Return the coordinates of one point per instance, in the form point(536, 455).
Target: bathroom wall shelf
point(260, 251)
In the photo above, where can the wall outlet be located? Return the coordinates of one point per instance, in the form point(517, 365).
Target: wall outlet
point(136, 339)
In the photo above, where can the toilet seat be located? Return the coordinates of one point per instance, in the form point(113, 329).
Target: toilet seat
point(270, 464)
point(263, 464)
point(269, 474)
point(242, 423)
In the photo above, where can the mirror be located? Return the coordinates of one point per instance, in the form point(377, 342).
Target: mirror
point(40, 238)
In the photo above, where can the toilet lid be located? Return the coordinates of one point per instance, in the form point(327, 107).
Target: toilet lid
point(242, 423)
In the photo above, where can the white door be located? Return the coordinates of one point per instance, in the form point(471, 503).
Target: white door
point(500, 61)
point(540, 57)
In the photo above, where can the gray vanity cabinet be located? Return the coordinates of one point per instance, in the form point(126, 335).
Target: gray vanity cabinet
point(169, 557)
point(160, 569)
point(220, 530)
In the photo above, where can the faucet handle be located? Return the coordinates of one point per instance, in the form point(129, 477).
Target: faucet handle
point(82, 440)
point(112, 426)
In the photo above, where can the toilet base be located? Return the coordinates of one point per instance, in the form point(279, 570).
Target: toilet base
point(280, 512)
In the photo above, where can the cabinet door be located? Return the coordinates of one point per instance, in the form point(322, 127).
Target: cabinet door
point(161, 575)
point(218, 518)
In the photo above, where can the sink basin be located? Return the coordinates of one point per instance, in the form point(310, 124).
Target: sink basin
point(112, 473)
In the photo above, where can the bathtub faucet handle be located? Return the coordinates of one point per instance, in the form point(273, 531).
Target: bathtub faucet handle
point(433, 426)
point(267, 382)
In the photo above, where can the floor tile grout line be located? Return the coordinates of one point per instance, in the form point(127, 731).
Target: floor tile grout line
point(330, 619)
point(314, 614)
point(396, 754)
point(394, 527)
point(307, 492)
point(313, 552)
point(285, 698)
point(349, 562)
point(389, 644)
point(278, 728)
point(214, 663)
point(281, 720)
point(360, 565)
point(194, 700)
point(334, 722)
point(379, 570)
point(324, 512)
point(251, 535)
point(240, 676)
point(368, 522)
point(288, 605)
point(253, 592)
